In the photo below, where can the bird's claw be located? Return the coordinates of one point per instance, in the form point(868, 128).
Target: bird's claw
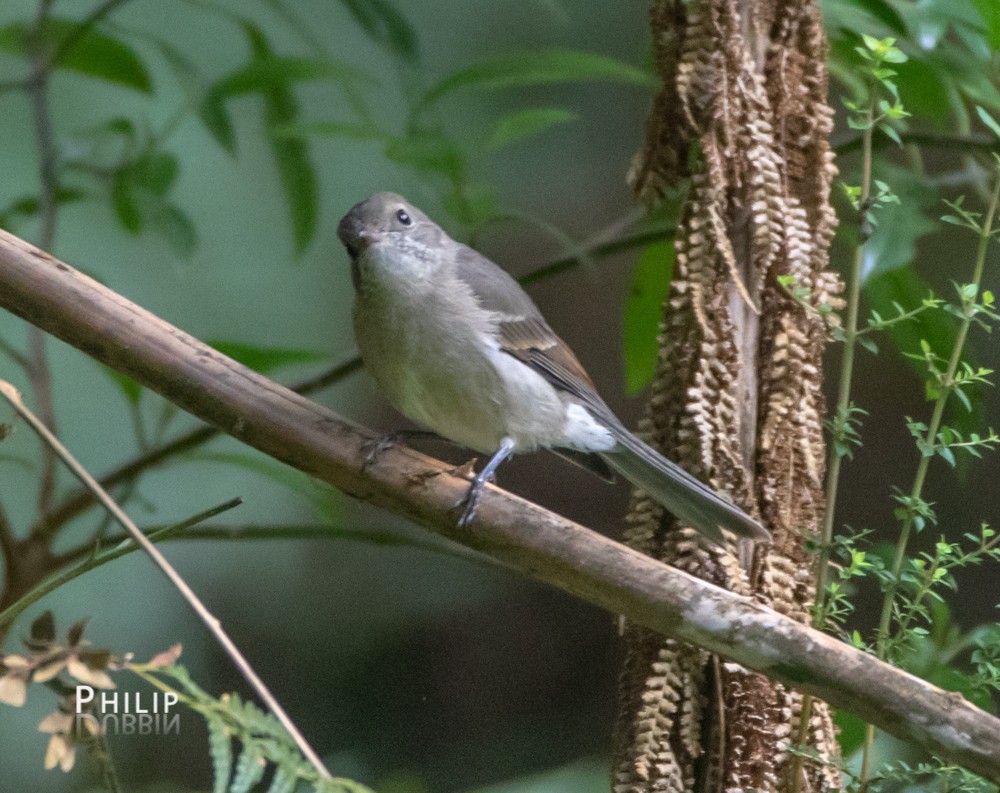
point(468, 504)
point(470, 501)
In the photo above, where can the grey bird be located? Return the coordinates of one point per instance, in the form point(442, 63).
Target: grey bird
point(457, 346)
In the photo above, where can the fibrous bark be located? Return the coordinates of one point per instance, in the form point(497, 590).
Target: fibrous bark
point(737, 396)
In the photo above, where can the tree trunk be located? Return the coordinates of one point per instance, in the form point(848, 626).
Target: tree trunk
point(737, 397)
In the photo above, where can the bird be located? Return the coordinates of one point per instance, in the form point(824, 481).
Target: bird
point(457, 346)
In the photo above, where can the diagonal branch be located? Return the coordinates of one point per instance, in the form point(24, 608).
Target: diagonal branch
point(77, 502)
point(545, 546)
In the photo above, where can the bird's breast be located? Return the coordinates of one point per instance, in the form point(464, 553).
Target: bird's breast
point(432, 349)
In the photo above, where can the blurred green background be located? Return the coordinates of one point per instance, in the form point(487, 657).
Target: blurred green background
point(409, 668)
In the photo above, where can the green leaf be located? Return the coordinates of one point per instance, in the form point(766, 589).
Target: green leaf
point(215, 116)
point(93, 54)
point(43, 629)
point(988, 120)
point(948, 455)
point(989, 10)
point(284, 780)
point(536, 68)
point(271, 70)
point(177, 229)
point(900, 225)
point(155, 171)
point(427, 152)
point(524, 123)
point(28, 206)
point(129, 387)
point(385, 25)
point(266, 359)
point(644, 311)
point(298, 178)
point(123, 201)
point(880, 10)
point(220, 748)
point(249, 770)
point(929, 330)
point(331, 129)
point(925, 93)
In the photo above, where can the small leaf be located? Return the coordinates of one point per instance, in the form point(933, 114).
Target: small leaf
point(46, 672)
point(988, 120)
point(129, 387)
point(83, 673)
point(220, 748)
point(272, 76)
point(123, 201)
point(868, 343)
point(536, 68)
point(385, 25)
point(155, 171)
point(284, 780)
point(60, 752)
point(644, 312)
point(43, 628)
point(524, 123)
point(332, 129)
point(266, 359)
point(176, 228)
point(168, 657)
point(249, 769)
point(891, 133)
point(13, 690)
point(264, 73)
point(427, 152)
point(93, 54)
point(75, 632)
point(214, 115)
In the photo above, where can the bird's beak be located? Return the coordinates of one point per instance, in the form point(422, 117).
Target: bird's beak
point(352, 231)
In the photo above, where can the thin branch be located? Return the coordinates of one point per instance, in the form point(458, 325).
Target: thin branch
point(541, 544)
point(95, 558)
point(982, 144)
point(284, 533)
point(15, 355)
point(37, 87)
point(76, 503)
point(7, 550)
point(210, 620)
point(603, 248)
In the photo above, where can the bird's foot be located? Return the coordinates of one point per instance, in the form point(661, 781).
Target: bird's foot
point(470, 501)
point(466, 508)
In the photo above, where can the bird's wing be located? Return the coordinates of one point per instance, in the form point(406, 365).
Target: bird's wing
point(524, 333)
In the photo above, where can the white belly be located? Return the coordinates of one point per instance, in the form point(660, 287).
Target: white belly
point(439, 369)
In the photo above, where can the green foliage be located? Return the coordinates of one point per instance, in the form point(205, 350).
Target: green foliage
point(525, 123)
point(245, 743)
point(521, 69)
point(62, 43)
point(386, 25)
point(908, 68)
point(644, 312)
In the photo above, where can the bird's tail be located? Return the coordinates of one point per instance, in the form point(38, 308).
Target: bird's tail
point(692, 502)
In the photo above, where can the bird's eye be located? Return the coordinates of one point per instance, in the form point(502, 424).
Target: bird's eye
point(403, 218)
